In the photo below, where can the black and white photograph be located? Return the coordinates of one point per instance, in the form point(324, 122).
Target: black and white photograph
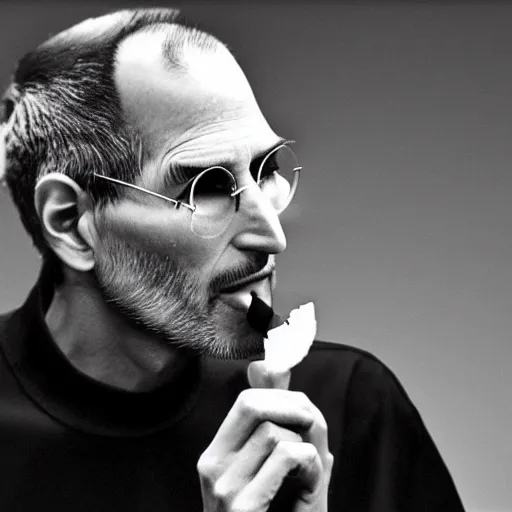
point(255, 256)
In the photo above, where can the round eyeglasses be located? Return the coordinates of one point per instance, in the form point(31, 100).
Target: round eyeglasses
point(213, 196)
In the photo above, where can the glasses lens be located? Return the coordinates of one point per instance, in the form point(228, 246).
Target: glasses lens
point(214, 205)
point(279, 176)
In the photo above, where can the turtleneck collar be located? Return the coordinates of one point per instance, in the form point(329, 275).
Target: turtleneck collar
point(71, 397)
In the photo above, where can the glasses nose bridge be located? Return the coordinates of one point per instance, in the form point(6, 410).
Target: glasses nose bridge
point(239, 190)
point(258, 223)
point(256, 202)
point(252, 182)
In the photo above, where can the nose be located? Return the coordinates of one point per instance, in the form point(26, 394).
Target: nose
point(259, 228)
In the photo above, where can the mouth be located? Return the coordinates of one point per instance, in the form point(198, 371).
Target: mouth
point(264, 273)
point(238, 294)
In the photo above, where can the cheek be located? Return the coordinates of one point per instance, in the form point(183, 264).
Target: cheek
point(163, 231)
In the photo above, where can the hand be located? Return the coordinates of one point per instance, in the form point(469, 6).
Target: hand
point(267, 434)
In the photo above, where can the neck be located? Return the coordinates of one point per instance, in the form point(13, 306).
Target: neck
point(99, 342)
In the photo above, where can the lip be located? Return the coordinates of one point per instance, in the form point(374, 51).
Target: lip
point(241, 298)
point(264, 273)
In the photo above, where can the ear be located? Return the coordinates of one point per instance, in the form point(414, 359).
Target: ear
point(66, 218)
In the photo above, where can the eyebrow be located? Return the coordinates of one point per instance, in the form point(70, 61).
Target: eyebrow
point(180, 174)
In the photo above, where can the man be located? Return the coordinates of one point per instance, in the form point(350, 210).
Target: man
point(151, 184)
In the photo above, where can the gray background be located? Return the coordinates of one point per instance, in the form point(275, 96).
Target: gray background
point(401, 233)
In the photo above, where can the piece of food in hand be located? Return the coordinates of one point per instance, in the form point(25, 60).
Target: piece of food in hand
point(286, 342)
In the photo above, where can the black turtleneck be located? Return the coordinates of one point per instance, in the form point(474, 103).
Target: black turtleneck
point(70, 443)
point(70, 396)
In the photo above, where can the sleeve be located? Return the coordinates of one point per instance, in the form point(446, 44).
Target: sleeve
point(387, 460)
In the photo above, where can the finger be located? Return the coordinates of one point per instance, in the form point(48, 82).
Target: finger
point(259, 376)
point(261, 490)
point(289, 409)
point(317, 434)
point(246, 463)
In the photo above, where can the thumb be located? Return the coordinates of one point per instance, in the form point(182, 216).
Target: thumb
point(259, 376)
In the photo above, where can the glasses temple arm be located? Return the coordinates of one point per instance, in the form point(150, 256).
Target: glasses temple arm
point(140, 189)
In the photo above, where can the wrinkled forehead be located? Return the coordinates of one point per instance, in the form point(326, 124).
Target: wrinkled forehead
point(205, 106)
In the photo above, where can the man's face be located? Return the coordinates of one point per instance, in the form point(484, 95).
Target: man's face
point(151, 265)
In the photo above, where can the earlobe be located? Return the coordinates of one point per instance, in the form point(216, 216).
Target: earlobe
point(56, 200)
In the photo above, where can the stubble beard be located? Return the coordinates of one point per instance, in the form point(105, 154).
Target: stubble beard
point(158, 296)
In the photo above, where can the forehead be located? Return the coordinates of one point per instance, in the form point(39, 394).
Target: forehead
point(197, 114)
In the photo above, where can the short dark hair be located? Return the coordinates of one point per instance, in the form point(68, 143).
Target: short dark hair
point(62, 112)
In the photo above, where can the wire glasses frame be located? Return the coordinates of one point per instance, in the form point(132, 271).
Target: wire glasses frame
point(235, 192)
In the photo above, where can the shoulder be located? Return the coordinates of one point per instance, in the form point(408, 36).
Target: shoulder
point(362, 383)
point(383, 451)
point(357, 366)
point(7, 321)
point(359, 396)
point(362, 366)
point(340, 353)
point(9, 331)
point(9, 324)
point(5, 316)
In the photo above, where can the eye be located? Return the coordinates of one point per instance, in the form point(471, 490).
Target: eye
point(214, 182)
point(269, 168)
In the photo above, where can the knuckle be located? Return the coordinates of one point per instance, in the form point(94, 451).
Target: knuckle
point(294, 437)
point(206, 465)
point(303, 398)
point(321, 425)
point(287, 450)
point(305, 403)
point(328, 465)
point(311, 453)
point(269, 433)
point(310, 458)
point(273, 434)
point(246, 402)
point(221, 490)
point(241, 505)
point(306, 457)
